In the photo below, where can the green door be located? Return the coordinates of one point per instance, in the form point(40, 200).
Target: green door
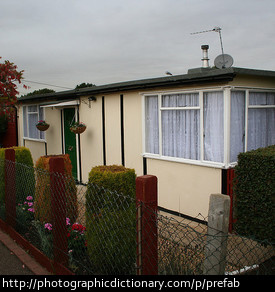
point(70, 138)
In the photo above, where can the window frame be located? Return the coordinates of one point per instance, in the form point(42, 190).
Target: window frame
point(226, 116)
point(26, 125)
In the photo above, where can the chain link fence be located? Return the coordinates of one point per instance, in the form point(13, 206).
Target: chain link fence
point(99, 229)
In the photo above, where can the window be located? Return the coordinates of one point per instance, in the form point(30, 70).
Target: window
point(257, 111)
point(31, 115)
point(180, 119)
point(261, 120)
point(208, 127)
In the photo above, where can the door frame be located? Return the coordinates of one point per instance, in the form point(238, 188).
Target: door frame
point(78, 177)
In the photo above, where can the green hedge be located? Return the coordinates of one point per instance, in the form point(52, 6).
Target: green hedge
point(111, 219)
point(25, 180)
point(254, 194)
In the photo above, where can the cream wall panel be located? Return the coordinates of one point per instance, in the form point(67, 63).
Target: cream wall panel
point(185, 188)
point(91, 142)
point(37, 149)
point(113, 132)
point(53, 134)
point(133, 132)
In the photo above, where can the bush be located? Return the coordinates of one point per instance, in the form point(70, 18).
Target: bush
point(25, 179)
point(254, 194)
point(111, 219)
point(43, 191)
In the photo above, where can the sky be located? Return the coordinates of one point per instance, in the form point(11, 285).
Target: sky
point(68, 42)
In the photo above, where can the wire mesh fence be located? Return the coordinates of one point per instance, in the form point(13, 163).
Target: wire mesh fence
point(93, 230)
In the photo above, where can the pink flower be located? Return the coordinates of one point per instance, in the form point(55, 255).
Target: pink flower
point(68, 221)
point(31, 210)
point(48, 226)
point(30, 204)
point(29, 198)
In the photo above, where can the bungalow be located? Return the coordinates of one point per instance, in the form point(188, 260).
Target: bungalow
point(185, 129)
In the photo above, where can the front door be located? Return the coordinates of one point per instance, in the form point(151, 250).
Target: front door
point(70, 138)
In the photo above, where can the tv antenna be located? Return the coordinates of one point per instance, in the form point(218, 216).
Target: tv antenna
point(223, 60)
point(215, 29)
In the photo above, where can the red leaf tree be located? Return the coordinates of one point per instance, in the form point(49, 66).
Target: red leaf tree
point(9, 76)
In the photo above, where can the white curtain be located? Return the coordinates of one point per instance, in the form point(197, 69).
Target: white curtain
point(237, 124)
point(213, 118)
point(151, 124)
point(180, 128)
point(261, 121)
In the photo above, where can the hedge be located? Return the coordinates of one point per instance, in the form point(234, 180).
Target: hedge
point(111, 219)
point(43, 192)
point(25, 179)
point(254, 193)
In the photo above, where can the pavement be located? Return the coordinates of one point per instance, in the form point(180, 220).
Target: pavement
point(14, 260)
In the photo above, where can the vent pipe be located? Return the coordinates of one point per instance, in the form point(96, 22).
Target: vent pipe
point(205, 59)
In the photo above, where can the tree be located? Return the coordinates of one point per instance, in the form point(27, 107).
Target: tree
point(39, 91)
point(83, 85)
point(9, 75)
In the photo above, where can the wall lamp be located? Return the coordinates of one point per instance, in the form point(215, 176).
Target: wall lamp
point(91, 98)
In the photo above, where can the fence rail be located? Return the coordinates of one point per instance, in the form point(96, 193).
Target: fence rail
point(116, 234)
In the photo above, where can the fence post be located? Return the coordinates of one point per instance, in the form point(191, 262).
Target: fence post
point(147, 247)
point(58, 205)
point(217, 233)
point(10, 187)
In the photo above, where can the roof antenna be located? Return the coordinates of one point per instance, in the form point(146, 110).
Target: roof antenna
point(216, 29)
point(223, 60)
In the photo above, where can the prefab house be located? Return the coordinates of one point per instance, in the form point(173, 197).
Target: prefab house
point(186, 129)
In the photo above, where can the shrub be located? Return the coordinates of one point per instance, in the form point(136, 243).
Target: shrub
point(25, 179)
point(110, 219)
point(43, 191)
point(254, 193)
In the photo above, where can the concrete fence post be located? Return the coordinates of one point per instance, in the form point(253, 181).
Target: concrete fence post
point(147, 247)
point(58, 205)
point(217, 233)
point(10, 187)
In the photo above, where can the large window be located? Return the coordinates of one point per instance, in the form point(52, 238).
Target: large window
point(208, 127)
point(31, 115)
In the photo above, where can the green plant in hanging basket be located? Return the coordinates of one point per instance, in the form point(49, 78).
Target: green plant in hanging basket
point(42, 125)
point(78, 127)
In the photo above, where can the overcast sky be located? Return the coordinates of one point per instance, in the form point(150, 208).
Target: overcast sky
point(67, 42)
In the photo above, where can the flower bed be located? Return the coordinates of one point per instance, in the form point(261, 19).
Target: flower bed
point(41, 235)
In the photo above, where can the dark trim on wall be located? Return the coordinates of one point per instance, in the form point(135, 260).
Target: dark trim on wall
point(122, 129)
point(144, 166)
point(103, 131)
point(224, 181)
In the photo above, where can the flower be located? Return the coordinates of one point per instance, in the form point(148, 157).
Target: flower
point(29, 198)
point(31, 210)
point(48, 226)
point(68, 221)
point(78, 227)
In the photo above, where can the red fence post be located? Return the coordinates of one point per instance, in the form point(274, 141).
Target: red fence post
point(58, 204)
point(230, 193)
point(10, 187)
point(147, 239)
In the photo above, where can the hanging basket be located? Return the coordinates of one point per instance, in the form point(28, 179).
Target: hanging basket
point(78, 130)
point(42, 127)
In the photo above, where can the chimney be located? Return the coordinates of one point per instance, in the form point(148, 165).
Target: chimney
point(205, 59)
